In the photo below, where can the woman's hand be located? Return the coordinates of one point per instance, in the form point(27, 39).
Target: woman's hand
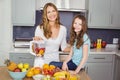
point(37, 38)
point(64, 66)
point(38, 55)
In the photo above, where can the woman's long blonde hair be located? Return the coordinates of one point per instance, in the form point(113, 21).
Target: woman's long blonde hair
point(45, 22)
point(78, 37)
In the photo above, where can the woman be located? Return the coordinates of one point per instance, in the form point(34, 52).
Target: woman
point(80, 43)
point(52, 32)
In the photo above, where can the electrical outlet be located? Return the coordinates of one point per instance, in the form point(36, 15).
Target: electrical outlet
point(115, 40)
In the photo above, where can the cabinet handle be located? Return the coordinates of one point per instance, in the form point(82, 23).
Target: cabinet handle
point(100, 58)
point(90, 17)
point(25, 57)
point(111, 19)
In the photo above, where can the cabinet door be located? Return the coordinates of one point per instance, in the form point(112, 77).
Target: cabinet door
point(117, 68)
point(115, 14)
point(23, 12)
point(78, 4)
point(40, 3)
point(99, 14)
point(22, 57)
point(99, 71)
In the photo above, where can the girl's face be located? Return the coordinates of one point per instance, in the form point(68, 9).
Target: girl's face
point(77, 25)
point(51, 13)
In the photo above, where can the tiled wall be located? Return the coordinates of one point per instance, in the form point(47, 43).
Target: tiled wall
point(66, 19)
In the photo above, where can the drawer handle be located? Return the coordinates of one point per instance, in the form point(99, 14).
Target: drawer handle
point(24, 58)
point(100, 58)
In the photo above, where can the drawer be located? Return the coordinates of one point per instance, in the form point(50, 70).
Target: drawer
point(100, 58)
point(22, 57)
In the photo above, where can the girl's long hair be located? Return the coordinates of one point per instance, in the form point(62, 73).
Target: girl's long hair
point(45, 22)
point(78, 37)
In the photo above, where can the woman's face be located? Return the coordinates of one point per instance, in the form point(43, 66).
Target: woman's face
point(77, 25)
point(51, 14)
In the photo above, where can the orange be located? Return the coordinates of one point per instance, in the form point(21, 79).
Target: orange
point(45, 66)
point(52, 67)
point(41, 52)
point(37, 70)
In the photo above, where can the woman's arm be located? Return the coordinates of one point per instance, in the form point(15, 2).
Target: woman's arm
point(64, 66)
point(38, 34)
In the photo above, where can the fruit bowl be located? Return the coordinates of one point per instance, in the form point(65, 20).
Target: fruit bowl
point(17, 75)
point(38, 77)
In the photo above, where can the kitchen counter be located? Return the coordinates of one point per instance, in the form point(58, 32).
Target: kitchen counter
point(92, 51)
point(5, 76)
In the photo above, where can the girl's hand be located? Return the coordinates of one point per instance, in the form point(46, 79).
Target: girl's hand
point(37, 38)
point(64, 66)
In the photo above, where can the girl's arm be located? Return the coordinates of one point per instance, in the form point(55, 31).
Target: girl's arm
point(84, 59)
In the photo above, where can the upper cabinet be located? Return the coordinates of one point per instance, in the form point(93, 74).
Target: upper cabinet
point(104, 14)
point(99, 13)
point(115, 13)
point(65, 4)
point(23, 12)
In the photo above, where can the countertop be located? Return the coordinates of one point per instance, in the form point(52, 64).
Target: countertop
point(4, 75)
point(108, 50)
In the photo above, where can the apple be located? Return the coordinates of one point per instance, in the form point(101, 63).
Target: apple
point(17, 70)
point(26, 65)
point(95, 44)
point(103, 44)
point(36, 50)
point(20, 65)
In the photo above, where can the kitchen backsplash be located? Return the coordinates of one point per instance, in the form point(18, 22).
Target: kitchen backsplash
point(66, 19)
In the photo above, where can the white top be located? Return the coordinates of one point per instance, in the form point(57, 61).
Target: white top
point(52, 45)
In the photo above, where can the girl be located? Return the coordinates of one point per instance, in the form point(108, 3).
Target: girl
point(80, 43)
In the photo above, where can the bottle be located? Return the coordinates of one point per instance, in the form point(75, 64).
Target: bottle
point(99, 43)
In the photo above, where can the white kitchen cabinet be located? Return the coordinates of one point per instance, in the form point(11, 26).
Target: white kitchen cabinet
point(22, 57)
point(23, 12)
point(78, 4)
point(40, 3)
point(104, 14)
point(65, 4)
point(100, 67)
point(99, 13)
point(117, 68)
point(115, 14)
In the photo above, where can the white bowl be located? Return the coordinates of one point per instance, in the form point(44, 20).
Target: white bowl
point(38, 77)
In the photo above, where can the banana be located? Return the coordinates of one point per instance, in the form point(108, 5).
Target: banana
point(62, 74)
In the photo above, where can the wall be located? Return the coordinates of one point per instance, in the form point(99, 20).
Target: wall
point(5, 30)
point(66, 19)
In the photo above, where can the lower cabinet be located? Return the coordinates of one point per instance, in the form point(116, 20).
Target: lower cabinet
point(117, 68)
point(22, 57)
point(100, 67)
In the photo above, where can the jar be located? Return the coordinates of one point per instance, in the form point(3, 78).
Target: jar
point(37, 47)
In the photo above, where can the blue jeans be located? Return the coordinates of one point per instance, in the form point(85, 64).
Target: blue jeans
point(70, 64)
